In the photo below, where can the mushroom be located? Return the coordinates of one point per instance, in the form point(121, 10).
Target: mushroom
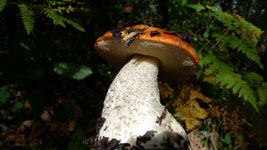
point(132, 111)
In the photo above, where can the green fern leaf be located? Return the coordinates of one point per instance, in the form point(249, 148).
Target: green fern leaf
point(249, 95)
point(240, 45)
point(74, 24)
point(61, 20)
point(236, 87)
point(2, 5)
point(262, 94)
point(231, 82)
point(253, 78)
point(57, 18)
point(237, 24)
point(226, 77)
point(27, 16)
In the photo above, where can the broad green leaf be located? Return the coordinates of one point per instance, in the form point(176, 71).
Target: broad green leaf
point(4, 95)
point(2, 5)
point(227, 139)
point(183, 2)
point(27, 16)
point(16, 107)
point(72, 70)
point(206, 35)
point(197, 7)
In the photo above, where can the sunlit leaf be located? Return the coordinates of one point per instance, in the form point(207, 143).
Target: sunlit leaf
point(73, 70)
point(183, 2)
point(2, 4)
point(27, 16)
point(197, 7)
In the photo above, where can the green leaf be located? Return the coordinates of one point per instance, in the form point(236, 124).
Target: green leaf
point(2, 5)
point(52, 14)
point(197, 7)
point(262, 94)
point(4, 95)
point(61, 20)
point(74, 24)
point(183, 2)
point(227, 139)
point(16, 107)
point(254, 78)
point(206, 35)
point(72, 70)
point(240, 138)
point(27, 16)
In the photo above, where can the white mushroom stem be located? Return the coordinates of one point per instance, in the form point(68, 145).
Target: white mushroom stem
point(132, 107)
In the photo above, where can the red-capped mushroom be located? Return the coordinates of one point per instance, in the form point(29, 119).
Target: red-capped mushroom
point(132, 108)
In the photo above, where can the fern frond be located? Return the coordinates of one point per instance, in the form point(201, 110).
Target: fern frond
point(74, 24)
point(2, 5)
point(240, 45)
point(237, 24)
point(226, 77)
point(52, 14)
point(262, 94)
point(61, 20)
point(27, 16)
point(253, 78)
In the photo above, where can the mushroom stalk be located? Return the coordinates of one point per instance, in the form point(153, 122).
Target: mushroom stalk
point(132, 108)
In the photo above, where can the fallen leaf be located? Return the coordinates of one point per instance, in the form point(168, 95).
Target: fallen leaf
point(46, 116)
point(165, 90)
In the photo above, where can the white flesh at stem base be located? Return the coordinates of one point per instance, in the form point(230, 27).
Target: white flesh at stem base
point(132, 107)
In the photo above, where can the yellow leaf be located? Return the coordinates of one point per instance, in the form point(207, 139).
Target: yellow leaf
point(165, 90)
point(71, 125)
point(27, 105)
point(190, 112)
point(196, 94)
point(210, 78)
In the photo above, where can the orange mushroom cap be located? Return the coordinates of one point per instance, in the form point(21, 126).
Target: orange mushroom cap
point(177, 58)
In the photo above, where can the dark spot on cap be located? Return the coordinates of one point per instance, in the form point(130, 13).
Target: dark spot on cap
point(154, 33)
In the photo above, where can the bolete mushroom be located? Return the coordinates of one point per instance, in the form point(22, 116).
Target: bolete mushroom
point(132, 112)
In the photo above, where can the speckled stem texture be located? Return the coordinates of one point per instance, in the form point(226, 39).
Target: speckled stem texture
point(132, 107)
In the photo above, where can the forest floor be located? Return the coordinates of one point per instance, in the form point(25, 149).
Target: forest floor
point(210, 125)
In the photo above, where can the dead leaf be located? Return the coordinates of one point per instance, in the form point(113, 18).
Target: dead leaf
point(27, 123)
point(191, 112)
point(210, 78)
point(196, 94)
point(165, 90)
point(46, 116)
point(187, 108)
